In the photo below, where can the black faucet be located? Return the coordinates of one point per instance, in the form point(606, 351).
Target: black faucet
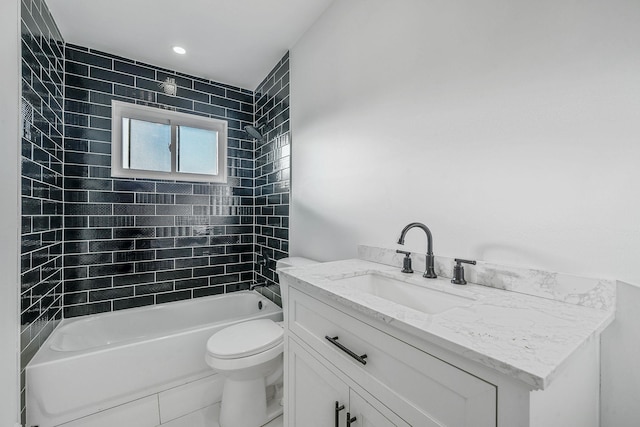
point(430, 272)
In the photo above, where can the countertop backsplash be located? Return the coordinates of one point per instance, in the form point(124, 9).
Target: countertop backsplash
point(585, 291)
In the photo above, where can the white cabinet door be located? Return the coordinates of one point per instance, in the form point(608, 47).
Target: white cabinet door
point(368, 415)
point(313, 391)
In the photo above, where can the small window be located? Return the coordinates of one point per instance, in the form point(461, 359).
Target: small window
point(160, 144)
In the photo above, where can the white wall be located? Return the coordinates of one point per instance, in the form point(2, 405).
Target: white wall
point(510, 127)
point(9, 210)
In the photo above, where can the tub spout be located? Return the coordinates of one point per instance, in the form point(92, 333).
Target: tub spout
point(257, 285)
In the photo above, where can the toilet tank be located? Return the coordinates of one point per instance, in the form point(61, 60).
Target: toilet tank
point(295, 261)
point(284, 287)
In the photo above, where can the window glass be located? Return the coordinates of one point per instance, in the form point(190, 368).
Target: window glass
point(146, 145)
point(156, 143)
point(197, 150)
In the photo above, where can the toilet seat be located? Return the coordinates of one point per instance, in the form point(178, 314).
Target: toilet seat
point(223, 365)
point(245, 339)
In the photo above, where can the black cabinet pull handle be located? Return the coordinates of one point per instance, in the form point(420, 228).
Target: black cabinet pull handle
point(350, 420)
point(335, 342)
point(339, 408)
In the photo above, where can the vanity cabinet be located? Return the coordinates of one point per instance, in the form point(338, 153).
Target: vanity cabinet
point(332, 357)
point(506, 359)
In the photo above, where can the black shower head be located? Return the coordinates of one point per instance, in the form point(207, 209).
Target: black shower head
point(256, 132)
point(253, 132)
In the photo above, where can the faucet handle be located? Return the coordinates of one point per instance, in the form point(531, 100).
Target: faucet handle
point(406, 262)
point(458, 271)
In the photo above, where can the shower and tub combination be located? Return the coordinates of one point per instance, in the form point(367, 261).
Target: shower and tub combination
point(161, 362)
point(145, 361)
point(149, 364)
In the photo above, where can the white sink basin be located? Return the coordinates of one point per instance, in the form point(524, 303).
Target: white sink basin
point(426, 300)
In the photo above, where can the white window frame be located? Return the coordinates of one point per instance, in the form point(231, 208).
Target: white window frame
point(120, 110)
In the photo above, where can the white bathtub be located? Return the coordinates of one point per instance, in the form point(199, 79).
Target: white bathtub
point(93, 363)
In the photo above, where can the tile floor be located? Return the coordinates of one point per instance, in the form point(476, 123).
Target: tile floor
point(207, 417)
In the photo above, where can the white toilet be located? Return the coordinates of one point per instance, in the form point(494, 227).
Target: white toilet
point(249, 356)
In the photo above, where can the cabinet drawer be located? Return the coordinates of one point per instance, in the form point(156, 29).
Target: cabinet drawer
point(412, 383)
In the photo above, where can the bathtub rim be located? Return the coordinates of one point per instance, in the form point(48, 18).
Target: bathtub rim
point(46, 354)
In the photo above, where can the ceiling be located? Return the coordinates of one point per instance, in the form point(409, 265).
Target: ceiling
point(229, 41)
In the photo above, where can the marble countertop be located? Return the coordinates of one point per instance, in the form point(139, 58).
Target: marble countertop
point(525, 337)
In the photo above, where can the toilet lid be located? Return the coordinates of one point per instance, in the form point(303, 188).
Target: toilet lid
point(245, 339)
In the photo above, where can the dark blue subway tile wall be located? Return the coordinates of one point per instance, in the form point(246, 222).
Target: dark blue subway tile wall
point(42, 182)
point(91, 243)
point(272, 175)
point(130, 243)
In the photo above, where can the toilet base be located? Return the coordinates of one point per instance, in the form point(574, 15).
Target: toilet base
point(244, 404)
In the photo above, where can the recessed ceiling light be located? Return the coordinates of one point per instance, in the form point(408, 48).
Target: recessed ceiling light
point(179, 50)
